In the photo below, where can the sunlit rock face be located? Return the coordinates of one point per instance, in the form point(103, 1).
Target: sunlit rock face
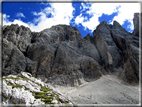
point(60, 55)
point(30, 91)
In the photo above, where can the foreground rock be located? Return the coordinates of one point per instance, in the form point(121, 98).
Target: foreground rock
point(60, 55)
point(27, 90)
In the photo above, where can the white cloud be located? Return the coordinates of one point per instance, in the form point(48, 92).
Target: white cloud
point(125, 12)
point(61, 13)
point(20, 15)
point(5, 16)
point(96, 10)
point(7, 22)
point(79, 19)
point(85, 6)
point(91, 23)
point(100, 8)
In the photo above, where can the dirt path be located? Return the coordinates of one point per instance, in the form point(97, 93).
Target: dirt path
point(106, 90)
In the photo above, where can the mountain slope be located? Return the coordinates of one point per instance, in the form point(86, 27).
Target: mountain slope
point(102, 92)
point(60, 55)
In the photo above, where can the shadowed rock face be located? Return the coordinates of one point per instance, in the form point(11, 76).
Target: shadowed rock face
point(119, 49)
point(136, 24)
point(60, 55)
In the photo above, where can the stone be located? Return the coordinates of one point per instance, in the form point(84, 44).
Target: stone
point(26, 94)
point(63, 100)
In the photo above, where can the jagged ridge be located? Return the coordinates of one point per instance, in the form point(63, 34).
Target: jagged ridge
point(60, 55)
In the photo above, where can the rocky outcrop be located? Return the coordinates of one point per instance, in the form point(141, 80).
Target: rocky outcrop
point(60, 55)
point(136, 24)
point(19, 36)
point(29, 91)
point(118, 49)
point(13, 59)
point(106, 46)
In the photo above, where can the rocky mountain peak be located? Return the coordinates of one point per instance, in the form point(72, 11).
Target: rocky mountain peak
point(65, 27)
point(103, 23)
point(63, 33)
point(16, 28)
point(60, 55)
point(88, 36)
point(116, 24)
point(136, 23)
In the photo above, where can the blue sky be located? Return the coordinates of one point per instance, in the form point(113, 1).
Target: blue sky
point(85, 16)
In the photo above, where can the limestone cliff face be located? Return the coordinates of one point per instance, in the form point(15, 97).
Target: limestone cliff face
point(60, 55)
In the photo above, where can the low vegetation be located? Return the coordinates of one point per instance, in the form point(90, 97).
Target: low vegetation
point(45, 97)
point(45, 94)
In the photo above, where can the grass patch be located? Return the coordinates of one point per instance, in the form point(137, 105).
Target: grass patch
point(24, 79)
point(44, 89)
point(47, 101)
point(26, 88)
point(44, 97)
point(36, 83)
point(13, 85)
point(11, 78)
point(16, 86)
point(9, 84)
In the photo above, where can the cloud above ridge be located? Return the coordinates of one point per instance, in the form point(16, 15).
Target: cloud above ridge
point(60, 13)
point(20, 15)
point(63, 13)
point(125, 13)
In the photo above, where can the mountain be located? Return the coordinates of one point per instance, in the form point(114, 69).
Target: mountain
point(61, 56)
